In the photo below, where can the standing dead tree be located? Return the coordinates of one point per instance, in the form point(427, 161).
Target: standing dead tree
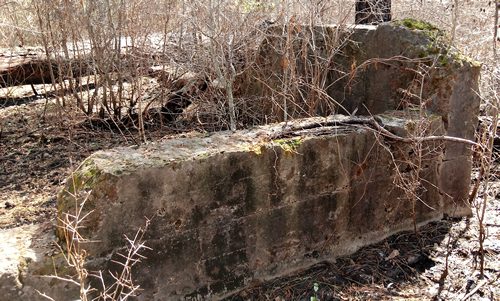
point(495, 34)
point(373, 11)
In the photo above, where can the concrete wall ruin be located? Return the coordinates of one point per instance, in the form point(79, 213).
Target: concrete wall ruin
point(231, 208)
point(403, 65)
point(227, 209)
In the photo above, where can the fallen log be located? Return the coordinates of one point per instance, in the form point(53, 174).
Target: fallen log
point(20, 69)
point(33, 68)
point(28, 67)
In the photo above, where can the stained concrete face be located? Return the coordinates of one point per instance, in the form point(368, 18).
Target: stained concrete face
point(232, 208)
point(368, 70)
point(227, 209)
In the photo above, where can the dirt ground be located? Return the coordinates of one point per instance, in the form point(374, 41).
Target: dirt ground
point(37, 153)
point(441, 262)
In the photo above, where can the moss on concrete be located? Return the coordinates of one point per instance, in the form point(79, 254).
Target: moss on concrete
point(54, 264)
point(458, 56)
point(87, 177)
point(257, 148)
point(438, 45)
point(88, 174)
point(289, 145)
point(415, 24)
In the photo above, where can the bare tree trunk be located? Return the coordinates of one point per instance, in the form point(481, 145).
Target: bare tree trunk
point(495, 32)
point(373, 11)
point(454, 20)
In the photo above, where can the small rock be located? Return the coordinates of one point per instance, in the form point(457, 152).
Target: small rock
point(394, 254)
point(470, 285)
point(412, 259)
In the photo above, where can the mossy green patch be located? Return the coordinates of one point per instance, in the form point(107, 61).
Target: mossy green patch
point(89, 173)
point(86, 177)
point(438, 45)
point(55, 264)
point(415, 24)
point(465, 59)
point(203, 155)
point(289, 145)
point(257, 148)
point(453, 56)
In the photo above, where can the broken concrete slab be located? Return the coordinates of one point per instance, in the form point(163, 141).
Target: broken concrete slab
point(29, 264)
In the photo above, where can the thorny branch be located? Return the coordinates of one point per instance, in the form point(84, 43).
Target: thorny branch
point(373, 124)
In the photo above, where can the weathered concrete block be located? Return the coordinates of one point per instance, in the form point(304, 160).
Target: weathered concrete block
point(27, 269)
point(368, 70)
point(229, 208)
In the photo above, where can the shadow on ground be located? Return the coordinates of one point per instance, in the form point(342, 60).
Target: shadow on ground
point(9, 101)
point(394, 261)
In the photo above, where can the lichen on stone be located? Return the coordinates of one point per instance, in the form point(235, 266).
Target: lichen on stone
point(411, 23)
point(439, 46)
point(288, 145)
point(257, 148)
